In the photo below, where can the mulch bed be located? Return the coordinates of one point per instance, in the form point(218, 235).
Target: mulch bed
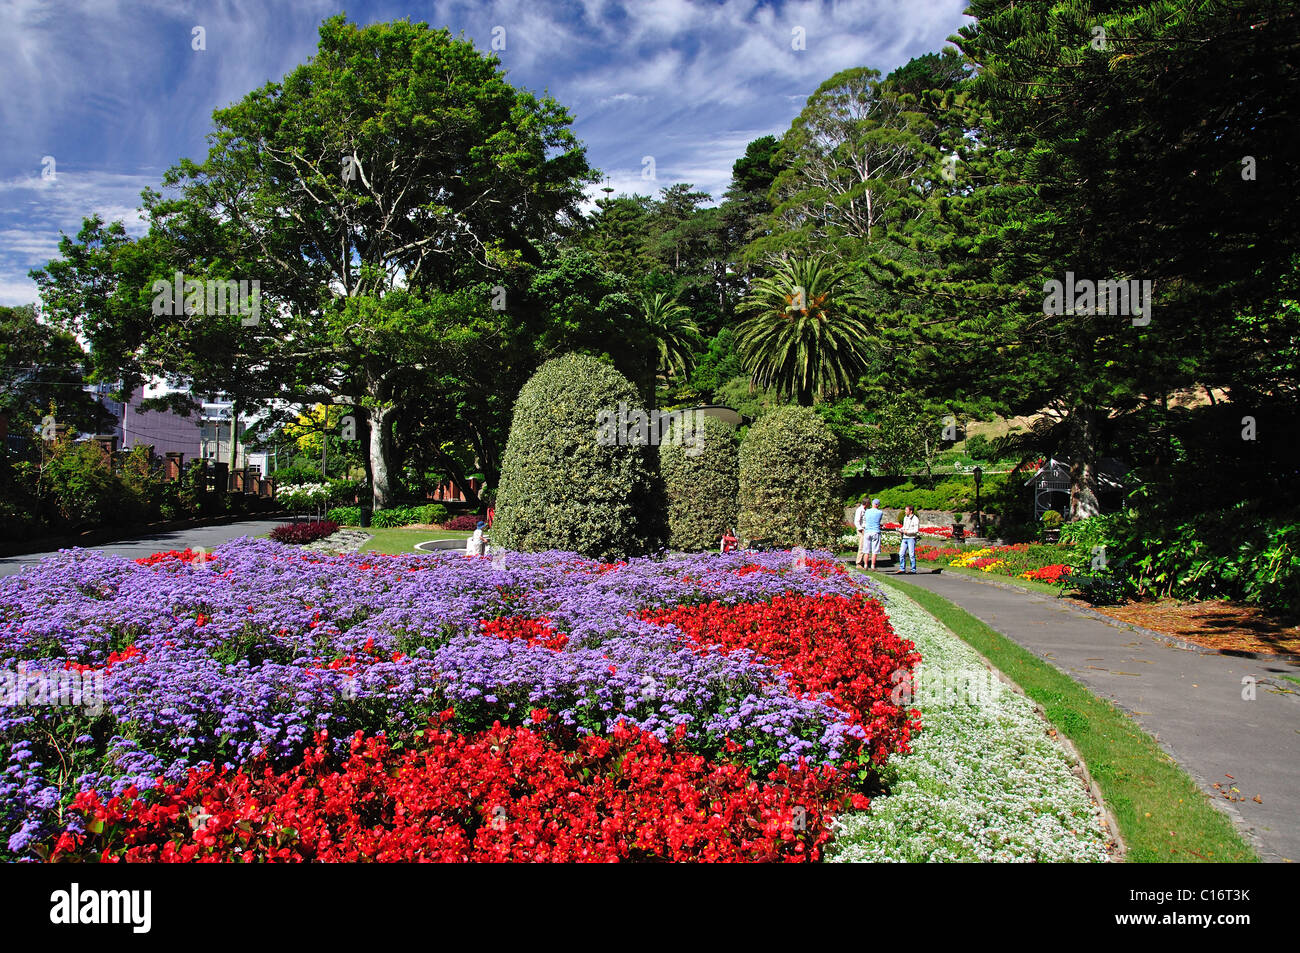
point(1217, 625)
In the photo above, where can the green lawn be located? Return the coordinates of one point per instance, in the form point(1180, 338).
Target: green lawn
point(1162, 815)
point(393, 541)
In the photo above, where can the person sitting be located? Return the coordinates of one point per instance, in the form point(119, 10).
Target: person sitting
point(730, 542)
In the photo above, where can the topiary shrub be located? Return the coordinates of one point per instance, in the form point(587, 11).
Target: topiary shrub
point(790, 485)
point(701, 472)
point(563, 484)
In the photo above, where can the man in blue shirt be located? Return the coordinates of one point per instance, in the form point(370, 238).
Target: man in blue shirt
point(871, 521)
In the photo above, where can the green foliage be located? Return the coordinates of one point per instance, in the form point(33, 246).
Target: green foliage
point(1052, 520)
point(750, 402)
point(432, 513)
point(790, 486)
point(1234, 552)
point(396, 516)
point(700, 469)
point(847, 419)
point(297, 473)
point(906, 436)
point(345, 515)
point(564, 487)
point(42, 371)
point(806, 337)
point(953, 494)
point(77, 487)
point(979, 447)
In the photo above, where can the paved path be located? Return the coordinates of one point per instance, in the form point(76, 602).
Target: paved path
point(210, 537)
point(1191, 703)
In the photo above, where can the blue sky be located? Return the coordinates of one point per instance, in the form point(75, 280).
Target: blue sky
point(113, 92)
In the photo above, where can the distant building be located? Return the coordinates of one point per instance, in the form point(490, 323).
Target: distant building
point(205, 434)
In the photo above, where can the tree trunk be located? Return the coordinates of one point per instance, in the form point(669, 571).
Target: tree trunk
point(381, 428)
point(1083, 463)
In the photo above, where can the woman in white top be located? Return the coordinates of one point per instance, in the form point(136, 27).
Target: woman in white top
point(910, 530)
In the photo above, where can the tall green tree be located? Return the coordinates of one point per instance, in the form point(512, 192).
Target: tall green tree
point(397, 161)
point(43, 372)
point(852, 159)
point(1113, 145)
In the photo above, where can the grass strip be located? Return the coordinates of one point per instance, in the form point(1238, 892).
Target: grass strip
point(1162, 815)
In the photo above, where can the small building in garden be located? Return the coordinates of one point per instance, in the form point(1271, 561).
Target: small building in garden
point(1051, 483)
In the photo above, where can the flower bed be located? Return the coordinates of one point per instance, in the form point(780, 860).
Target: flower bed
point(1040, 561)
point(984, 781)
point(501, 794)
point(265, 684)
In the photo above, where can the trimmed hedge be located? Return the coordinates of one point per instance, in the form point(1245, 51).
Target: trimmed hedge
point(790, 486)
point(701, 473)
point(561, 486)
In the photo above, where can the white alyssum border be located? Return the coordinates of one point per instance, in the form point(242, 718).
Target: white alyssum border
point(984, 781)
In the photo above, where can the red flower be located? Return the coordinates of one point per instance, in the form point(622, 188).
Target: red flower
point(833, 644)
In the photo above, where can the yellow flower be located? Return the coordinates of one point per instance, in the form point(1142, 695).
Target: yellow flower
point(965, 559)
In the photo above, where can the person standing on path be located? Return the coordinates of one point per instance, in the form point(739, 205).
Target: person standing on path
point(871, 521)
point(909, 532)
point(858, 514)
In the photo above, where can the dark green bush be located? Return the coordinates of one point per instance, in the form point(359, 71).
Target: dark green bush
point(564, 484)
point(790, 488)
point(979, 447)
point(700, 468)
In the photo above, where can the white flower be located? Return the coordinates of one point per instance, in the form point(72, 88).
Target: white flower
point(984, 781)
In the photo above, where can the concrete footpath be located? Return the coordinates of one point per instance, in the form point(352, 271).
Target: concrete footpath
point(1191, 703)
point(209, 537)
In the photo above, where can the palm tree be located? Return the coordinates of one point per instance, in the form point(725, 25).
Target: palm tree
point(805, 338)
point(670, 324)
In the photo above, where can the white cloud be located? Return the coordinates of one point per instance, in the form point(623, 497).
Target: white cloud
point(113, 90)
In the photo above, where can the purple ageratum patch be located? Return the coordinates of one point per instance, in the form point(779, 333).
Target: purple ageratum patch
point(234, 658)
